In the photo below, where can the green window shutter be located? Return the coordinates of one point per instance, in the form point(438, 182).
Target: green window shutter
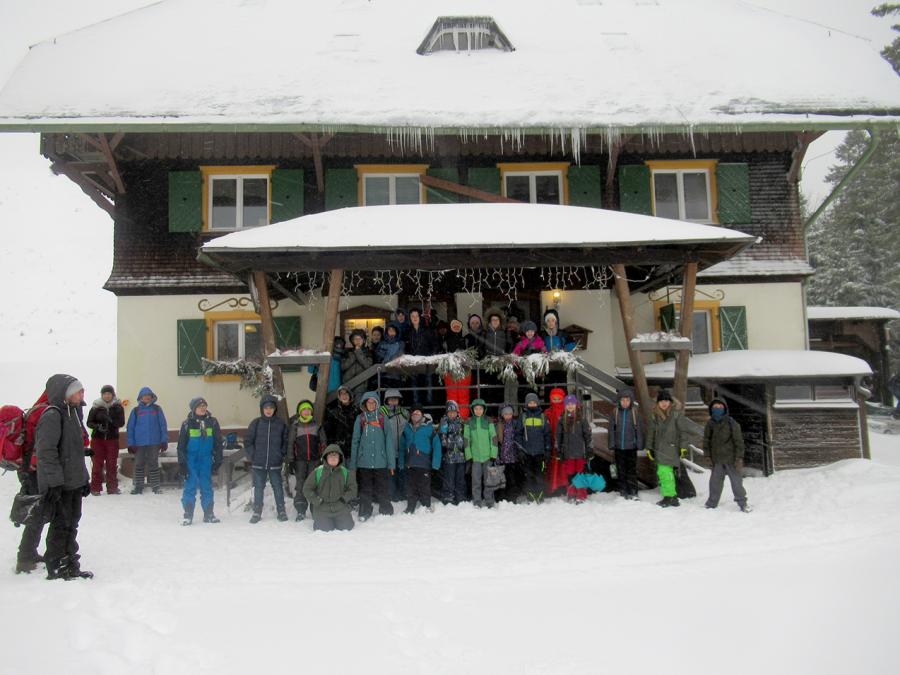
point(191, 346)
point(185, 201)
point(733, 328)
point(634, 189)
point(434, 196)
point(734, 193)
point(287, 194)
point(340, 188)
point(287, 336)
point(486, 179)
point(667, 318)
point(585, 187)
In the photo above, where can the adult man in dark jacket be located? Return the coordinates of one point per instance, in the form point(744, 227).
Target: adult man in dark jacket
point(356, 360)
point(625, 438)
point(62, 475)
point(420, 341)
point(723, 443)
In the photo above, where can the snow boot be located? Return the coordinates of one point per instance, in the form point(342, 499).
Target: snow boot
point(136, 491)
point(282, 517)
point(117, 491)
point(745, 507)
point(255, 518)
point(74, 571)
point(157, 490)
point(300, 516)
point(188, 519)
point(25, 566)
point(96, 493)
point(210, 517)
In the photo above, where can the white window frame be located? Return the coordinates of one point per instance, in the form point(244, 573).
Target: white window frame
point(679, 182)
point(239, 207)
point(532, 182)
point(241, 323)
point(392, 184)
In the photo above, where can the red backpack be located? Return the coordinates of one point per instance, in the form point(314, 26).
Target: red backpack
point(17, 431)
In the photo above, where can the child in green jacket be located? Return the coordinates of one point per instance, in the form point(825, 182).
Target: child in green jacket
point(481, 449)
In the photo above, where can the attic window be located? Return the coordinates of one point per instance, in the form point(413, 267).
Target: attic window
point(464, 33)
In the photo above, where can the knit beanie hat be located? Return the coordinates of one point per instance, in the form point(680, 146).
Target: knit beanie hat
point(571, 398)
point(663, 395)
point(506, 408)
point(199, 400)
point(532, 397)
point(74, 387)
point(107, 388)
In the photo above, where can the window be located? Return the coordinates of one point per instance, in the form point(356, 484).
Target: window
point(236, 197)
point(818, 392)
point(464, 33)
point(238, 340)
point(544, 183)
point(390, 184)
point(684, 190)
point(705, 332)
point(793, 392)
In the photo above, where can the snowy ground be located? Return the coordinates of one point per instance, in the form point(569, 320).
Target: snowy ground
point(806, 583)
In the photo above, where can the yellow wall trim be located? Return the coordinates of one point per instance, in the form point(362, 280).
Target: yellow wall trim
point(211, 319)
point(712, 306)
point(709, 165)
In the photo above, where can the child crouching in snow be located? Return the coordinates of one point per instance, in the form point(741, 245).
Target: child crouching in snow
point(573, 440)
point(329, 489)
point(199, 456)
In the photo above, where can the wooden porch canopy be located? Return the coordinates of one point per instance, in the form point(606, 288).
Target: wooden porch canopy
point(643, 252)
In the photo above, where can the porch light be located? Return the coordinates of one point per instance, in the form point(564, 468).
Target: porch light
point(556, 298)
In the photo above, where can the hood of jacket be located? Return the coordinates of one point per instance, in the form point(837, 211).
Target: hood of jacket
point(365, 397)
point(714, 401)
point(56, 389)
point(100, 403)
point(627, 391)
point(332, 448)
point(480, 323)
point(143, 392)
point(392, 339)
point(425, 419)
point(268, 398)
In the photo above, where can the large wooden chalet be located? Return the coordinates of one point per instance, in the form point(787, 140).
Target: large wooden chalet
point(274, 111)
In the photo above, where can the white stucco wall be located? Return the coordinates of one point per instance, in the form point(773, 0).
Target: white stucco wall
point(148, 353)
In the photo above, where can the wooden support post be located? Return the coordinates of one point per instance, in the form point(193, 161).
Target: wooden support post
point(335, 281)
point(637, 368)
point(268, 337)
point(686, 326)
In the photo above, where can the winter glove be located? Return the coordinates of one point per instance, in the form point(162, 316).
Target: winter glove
point(182, 470)
point(650, 455)
point(739, 464)
point(130, 450)
point(53, 495)
point(88, 452)
point(85, 490)
point(683, 452)
point(163, 447)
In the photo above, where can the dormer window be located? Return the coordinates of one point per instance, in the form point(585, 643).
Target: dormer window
point(464, 33)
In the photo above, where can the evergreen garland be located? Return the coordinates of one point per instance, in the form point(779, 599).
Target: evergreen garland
point(254, 376)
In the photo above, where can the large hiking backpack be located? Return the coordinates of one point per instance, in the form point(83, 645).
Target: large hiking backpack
point(319, 469)
point(12, 437)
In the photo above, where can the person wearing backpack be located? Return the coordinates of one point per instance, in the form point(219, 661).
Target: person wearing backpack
point(573, 443)
point(62, 476)
point(306, 438)
point(105, 419)
point(481, 449)
point(538, 441)
point(373, 458)
point(329, 489)
point(665, 445)
point(723, 443)
point(625, 439)
point(148, 437)
point(199, 457)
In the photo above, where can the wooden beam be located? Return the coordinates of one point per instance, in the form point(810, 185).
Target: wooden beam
point(87, 187)
point(335, 282)
point(116, 139)
point(268, 336)
point(474, 193)
point(293, 296)
point(686, 328)
point(638, 377)
point(315, 143)
point(111, 160)
point(804, 138)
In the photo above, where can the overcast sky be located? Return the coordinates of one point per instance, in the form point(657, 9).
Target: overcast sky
point(57, 245)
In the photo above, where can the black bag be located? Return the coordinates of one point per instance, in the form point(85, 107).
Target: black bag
point(495, 477)
point(314, 381)
point(684, 487)
point(25, 509)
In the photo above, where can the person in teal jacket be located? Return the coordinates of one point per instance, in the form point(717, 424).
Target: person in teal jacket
point(421, 454)
point(481, 449)
point(372, 457)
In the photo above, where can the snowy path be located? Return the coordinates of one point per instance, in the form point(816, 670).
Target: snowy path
point(806, 583)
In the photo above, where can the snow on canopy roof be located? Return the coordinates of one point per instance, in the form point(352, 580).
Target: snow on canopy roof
point(417, 226)
point(760, 364)
point(578, 65)
point(859, 313)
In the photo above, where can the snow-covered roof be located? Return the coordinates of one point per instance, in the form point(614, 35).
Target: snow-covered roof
point(745, 266)
point(420, 226)
point(578, 65)
point(760, 364)
point(858, 313)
